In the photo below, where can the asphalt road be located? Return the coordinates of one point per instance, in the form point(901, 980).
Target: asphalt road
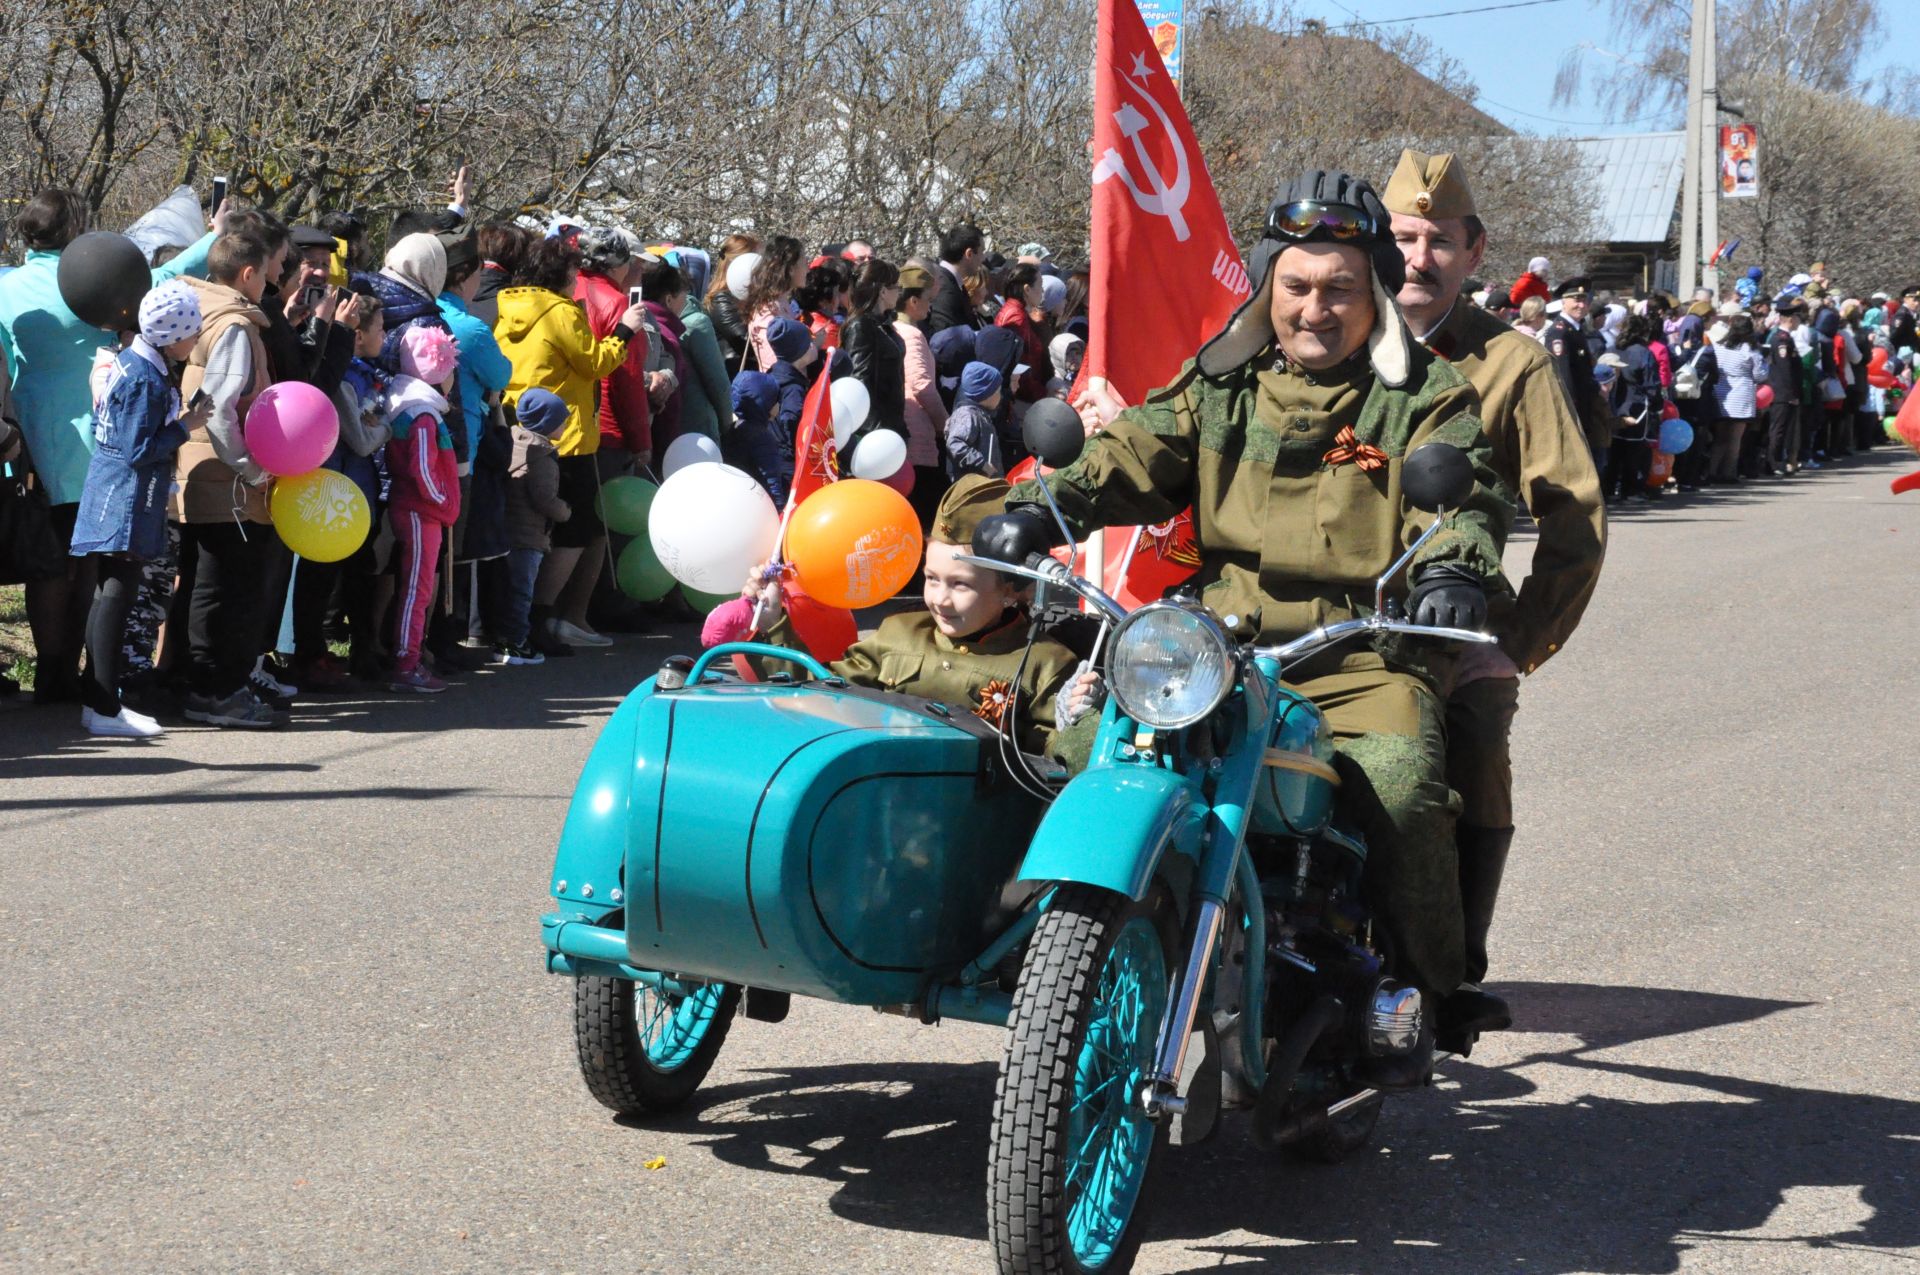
point(277, 1003)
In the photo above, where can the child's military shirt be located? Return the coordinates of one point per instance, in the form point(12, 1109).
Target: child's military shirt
point(908, 653)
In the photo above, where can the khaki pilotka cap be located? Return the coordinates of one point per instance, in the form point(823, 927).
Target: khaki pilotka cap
point(1429, 186)
point(969, 501)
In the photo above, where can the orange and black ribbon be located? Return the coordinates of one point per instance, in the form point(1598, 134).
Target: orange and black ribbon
point(1345, 449)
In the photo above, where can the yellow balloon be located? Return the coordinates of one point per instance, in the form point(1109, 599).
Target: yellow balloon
point(321, 515)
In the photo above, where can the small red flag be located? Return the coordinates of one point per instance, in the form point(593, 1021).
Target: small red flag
point(826, 631)
point(815, 463)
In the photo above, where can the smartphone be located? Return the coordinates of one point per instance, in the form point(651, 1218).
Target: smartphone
point(199, 397)
point(634, 296)
point(312, 295)
point(219, 192)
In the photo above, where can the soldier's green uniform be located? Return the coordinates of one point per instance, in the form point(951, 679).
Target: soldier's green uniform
point(1294, 519)
point(1544, 457)
point(981, 673)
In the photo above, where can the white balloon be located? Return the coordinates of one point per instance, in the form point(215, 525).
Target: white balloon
point(880, 455)
point(851, 404)
point(740, 273)
point(710, 525)
point(688, 449)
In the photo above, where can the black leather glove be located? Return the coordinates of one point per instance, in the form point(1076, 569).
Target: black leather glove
point(1016, 535)
point(1449, 596)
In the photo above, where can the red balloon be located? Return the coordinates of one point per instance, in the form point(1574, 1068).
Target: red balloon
point(1763, 397)
point(1670, 412)
point(826, 631)
point(901, 480)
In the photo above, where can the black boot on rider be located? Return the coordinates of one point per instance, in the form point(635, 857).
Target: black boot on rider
point(1471, 1009)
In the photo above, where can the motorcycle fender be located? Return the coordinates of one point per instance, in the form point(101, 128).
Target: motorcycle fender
point(1111, 826)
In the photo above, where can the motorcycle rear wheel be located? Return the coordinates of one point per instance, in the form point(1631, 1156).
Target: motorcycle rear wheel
point(642, 1050)
point(1072, 1148)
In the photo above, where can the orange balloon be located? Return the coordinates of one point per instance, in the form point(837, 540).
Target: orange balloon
point(854, 543)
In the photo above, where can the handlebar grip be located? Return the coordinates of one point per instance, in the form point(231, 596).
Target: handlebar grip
point(1047, 565)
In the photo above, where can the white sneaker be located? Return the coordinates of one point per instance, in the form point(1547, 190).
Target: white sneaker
point(126, 724)
point(263, 677)
point(576, 635)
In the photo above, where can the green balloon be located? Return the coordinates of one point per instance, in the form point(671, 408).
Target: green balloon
point(704, 603)
point(639, 573)
point(624, 503)
point(1893, 435)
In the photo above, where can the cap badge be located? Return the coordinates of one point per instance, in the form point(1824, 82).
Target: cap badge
point(1423, 202)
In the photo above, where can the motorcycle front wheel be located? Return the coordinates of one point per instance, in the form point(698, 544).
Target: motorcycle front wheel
point(1071, 1150)
point(643, 1050)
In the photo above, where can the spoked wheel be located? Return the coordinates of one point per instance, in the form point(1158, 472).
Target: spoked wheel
point(1071, 1146)
point(643, 1050)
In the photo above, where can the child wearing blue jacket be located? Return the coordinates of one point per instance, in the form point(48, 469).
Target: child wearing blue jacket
point(122, 519)
point(753, 442)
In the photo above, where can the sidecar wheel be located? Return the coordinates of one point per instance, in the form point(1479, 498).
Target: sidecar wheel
point(1071, 1146)
point(644, 1051)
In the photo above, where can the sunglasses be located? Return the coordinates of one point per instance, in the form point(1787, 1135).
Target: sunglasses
point(1305, 219)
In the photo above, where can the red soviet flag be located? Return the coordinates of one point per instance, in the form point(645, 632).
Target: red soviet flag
point(1166, 272)
point(815, 461)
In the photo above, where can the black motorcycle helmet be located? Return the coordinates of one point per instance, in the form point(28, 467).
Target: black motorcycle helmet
point(1320, 206)
point(1328, 206)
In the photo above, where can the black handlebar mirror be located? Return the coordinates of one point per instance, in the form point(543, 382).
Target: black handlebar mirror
point(1437, 476)
point(1053, 433)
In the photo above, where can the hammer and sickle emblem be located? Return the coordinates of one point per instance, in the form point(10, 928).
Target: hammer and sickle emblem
point(1161, 197)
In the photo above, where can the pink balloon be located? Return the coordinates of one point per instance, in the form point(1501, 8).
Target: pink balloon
point(291, 428)
point(1763, 397)
point(901, 480)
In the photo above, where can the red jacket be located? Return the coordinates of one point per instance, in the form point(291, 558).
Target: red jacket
point(424, 469)
point(626, 416)
point(1033, 350)
point(1529, 285)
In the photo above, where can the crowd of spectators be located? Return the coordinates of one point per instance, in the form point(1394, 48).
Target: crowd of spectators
point(1769, 385)
point(489, 380)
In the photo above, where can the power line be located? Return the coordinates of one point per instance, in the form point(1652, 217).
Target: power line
point(1454, 13)
point(1555, 119)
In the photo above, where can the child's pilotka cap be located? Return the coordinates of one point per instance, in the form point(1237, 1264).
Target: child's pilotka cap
point(541, 411)
point(428, 354)
point(789, 339)
point(979, 381)
point(966, 503)
point(171, 312)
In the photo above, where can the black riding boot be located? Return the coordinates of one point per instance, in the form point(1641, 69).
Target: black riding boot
point(1470, 1009)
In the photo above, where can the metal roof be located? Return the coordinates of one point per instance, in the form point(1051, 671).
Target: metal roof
point(1636, 177)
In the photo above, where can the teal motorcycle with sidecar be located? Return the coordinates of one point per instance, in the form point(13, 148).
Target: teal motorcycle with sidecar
point(734, 843)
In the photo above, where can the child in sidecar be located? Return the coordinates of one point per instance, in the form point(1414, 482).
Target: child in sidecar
point(969, 647)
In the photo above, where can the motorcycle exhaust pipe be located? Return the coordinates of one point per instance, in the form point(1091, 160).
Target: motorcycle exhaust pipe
point(1271, 1124)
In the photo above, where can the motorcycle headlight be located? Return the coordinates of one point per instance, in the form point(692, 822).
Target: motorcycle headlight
point(1170, 666)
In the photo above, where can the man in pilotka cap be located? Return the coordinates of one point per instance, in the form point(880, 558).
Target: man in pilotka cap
point(1542, 455)
point(1287, 434)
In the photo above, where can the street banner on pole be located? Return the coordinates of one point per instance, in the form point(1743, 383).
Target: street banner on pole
point(1165, 21)
point(1739, 161)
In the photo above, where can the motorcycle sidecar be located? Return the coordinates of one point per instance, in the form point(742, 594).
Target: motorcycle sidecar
point(812, 838)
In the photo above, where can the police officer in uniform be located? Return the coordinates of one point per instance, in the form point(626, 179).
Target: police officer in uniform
point(1286, 434)
point(1566, 344)
point(1542, 455)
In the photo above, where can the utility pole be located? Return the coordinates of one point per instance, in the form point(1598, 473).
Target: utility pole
point(1690, 184)
point(1710, 151)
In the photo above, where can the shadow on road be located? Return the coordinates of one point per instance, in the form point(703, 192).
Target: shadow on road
point(1491, 1173)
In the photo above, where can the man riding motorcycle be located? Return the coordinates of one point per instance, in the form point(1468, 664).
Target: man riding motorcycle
point(1286, 434)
